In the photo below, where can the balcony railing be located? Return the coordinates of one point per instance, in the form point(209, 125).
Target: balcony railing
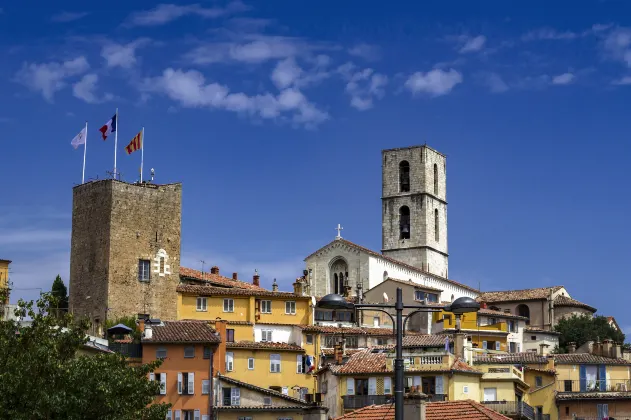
point(353, 402)
point(515, 409)
point(133, 350)
point(594, 385)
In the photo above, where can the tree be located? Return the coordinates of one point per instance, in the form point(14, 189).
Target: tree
point(584, 328)
point(60, 294)
point(128, 321)
point(44, 377)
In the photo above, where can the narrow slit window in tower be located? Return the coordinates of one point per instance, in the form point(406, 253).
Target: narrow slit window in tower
point(404, 222)
point(436, 229)
point(435, 179)
point(404, 176)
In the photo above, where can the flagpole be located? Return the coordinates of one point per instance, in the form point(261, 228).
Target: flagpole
point(142, 152)
point(115, 142)
point(85, 148)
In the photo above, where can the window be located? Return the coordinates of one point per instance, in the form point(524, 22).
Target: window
point(251, 363)
point(435, 179)
point(226, 393)
point(524, 310)
point(309, 338)
point(490, 394)
point(387, 386)
point(511, 326)
point(205, 387)
point(229, 362)
point(230, 335)
point(228, 305)
point(567, 385)
point(161, 265)
point(538, 381)
point(513, 348)
point(465, 389)
point(143, 270)
point(190, 414)
point(376, 321)
point(324, 316)
point(533, 337)
point(300, 366)
point(431, 297)
point(330, 341)
point(290, 308)
point(266, 306)
point(266, 336)
point(603, 411)
point(567, 410)
point(381, 341)
point(274, 363)
point(186, 383)
point(404, 176)
point(404, 222)
point(285, 418)
point(344, 316)
point(231, 396)
point(202, 304)
point(436, 228)
point(267, 400)
point(189, 352)
point(485, 345)
point(207, 352)
point(351, 342)
point(245, 418)
point(497, 345)
point(162, 378)
point(161, 353)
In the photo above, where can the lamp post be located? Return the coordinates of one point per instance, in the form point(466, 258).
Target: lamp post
point(458, 307)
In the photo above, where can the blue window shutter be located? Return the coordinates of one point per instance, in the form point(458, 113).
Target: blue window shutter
point(582, 371)
point(602, 377)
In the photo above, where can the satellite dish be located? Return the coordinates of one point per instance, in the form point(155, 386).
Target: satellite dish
point(385, 297)
point(313, 301)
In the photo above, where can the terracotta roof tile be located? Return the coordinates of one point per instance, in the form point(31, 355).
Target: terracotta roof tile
point(266, 391)
point(517, 295)
point(512, 358)
point(460, 365)
point(486, 311)
point(587, 359)
point(540, 330)
point(215, 279)
point(426, 340)
point(447, 410)
point(567, 301)
point(410, 283)
point(543, 370)
point(263, 346)
point(392, 260)
point(593, 395)
point(223, 291)
point(182, 332)
point(364, 361)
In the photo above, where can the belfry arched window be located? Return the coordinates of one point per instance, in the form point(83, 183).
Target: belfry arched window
point(404, 176)
point(404, 222)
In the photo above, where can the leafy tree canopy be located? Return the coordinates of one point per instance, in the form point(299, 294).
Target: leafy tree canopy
point(584, 328)
point(44, 375)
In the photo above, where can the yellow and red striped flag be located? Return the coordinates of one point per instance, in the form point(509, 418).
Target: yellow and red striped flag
point(134, 144)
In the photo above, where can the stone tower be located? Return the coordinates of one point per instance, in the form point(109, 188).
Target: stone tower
point(414, 218)
point(125, 250)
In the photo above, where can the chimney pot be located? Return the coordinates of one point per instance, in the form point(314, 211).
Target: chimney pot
point(571, 347)
point(235, 276)
point(148, 333)
point(274, 286)
point(214, 270)
point(256, 279)
point(483, 305)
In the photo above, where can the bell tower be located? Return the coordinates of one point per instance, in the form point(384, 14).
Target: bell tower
point(414, 208)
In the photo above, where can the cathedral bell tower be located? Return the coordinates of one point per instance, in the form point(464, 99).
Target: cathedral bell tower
point(414, 208)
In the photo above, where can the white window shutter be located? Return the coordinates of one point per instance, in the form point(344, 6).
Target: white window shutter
point(179, 384)
point(372, 386)
point(178, 415)
point(196, 414)
point(439, 385)
point(484, 345)
point(169, 415)
point(205, 386)
point(235, 396)
point(163, 384)
point(191, 383)
point(497, 345)
point(152, 376)
point(299, 363)
point(350, 386)
point(205, 417)
point(387, 385)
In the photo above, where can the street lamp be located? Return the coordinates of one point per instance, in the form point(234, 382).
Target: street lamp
point(459, 306)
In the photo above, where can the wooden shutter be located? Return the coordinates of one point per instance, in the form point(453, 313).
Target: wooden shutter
point(299, 368)
point(372, 386)
point(196, 414)
point(484, 345)
point(178, 415)
point(497, 345)
point(152, 376)
point(439, 385)
point(387, 385)
point(179, 383)
point(169, 415)
point(229, 361)
point(163, 384)
point(350, 386)
point(235, 396)
point(191, 383)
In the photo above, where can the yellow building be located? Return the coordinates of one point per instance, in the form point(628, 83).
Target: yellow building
point(4, 281)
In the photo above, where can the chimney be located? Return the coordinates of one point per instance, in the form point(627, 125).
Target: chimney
point(571, 347)
point(256, 279)
point(141, 325)
point(617, 351)
point(414, 405)
point(214, 270)
point(148, 332)
point(298, 287)
point(338, 353)
point(219, 358)
point(235, 276)
point(598, 347)
point(482, 305)
point(274, 286)
point(607, 348)
point(459, 342)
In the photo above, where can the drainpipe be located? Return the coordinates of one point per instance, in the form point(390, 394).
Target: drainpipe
point(211, 392)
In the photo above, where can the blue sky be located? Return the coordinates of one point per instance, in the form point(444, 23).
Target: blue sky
point(273, 116)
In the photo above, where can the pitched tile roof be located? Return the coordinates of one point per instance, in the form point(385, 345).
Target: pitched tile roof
point(215, 279)
point(593, 395)
point(223, 291)
point(460, 365)
point(567, 301)
point(540, 330)
point(502, 314)
point(182, 332)
point(409, 283)
point(512, 358)
point(264, 346)
point(517, 295)
point(586, 359)
point(364, 361)
point(392, 260)
point(446, 410)
point(214, 321)
point(426, 340)
point(265, 391)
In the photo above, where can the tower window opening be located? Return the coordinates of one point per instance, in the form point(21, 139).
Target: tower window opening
point(404, 176)
point(435, 179)
point(404, 222)
point(436, 228)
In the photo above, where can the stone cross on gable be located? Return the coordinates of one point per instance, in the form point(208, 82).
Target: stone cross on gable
point(339, 231)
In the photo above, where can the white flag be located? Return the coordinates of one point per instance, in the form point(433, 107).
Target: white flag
point(79, 139)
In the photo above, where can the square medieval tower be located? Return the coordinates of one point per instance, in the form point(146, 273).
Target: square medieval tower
point(125, 250)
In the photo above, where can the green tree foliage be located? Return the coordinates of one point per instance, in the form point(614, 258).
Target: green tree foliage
point(59, 293)
point(584, 328)
point(43, 374)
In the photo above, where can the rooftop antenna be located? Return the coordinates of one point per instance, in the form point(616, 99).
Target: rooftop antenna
point(201, 261)
point(153, 173)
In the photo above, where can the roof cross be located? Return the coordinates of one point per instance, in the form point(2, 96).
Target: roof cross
point(339, 231)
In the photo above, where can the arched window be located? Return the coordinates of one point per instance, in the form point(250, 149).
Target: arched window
point(435, 179)
point(341, 283)
point(404, 176)
point(404, 222)
point(336, 284)
point(452, 298)
point(385, 275)
point(436, 229)
point(524, 310)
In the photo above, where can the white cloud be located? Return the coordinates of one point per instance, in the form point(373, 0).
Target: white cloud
point(563, 79)
point(122, 55)
point(64, 17)
point(165, 13)
point(626, 80)
point(548, 34)
point(366, 51)
point(495, 83)
point(435, 82)
point(85, 89)
point(617, 45)
point(189, 89)
point(49, 78)
point(363, 86)
point(286, 73)
point(473, 44)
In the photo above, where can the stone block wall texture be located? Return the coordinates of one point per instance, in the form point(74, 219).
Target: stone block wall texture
point(114, 225)
point(426, 199)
